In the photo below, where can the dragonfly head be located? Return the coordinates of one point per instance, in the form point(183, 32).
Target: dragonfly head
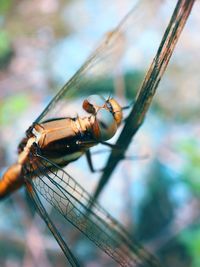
point(115, 109)
point(108, 116)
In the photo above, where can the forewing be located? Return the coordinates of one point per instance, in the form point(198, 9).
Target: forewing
point(99, 72)
point(72, 201)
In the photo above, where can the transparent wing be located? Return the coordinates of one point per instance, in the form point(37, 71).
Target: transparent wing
point(43, 213)
point(98, 73)
point(72, 201)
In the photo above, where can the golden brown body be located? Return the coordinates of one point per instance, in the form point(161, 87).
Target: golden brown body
point(56, 140)
point(62, 141)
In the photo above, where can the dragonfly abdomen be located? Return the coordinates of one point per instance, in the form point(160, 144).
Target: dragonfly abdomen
point(11, 180)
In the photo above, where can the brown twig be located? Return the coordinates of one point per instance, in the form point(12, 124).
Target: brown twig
point(148, 88)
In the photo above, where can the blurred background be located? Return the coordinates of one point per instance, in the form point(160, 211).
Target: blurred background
point(43, 43)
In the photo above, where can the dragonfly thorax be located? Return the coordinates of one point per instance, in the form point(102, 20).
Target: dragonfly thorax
point(66, 139)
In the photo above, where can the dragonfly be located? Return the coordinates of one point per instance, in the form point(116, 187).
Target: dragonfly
point(54, 140)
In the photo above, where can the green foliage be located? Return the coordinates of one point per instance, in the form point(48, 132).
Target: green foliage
point(191, 238)
point(133, 82)
point(12, 108)
point(189, 148)
point(4, 43)
point(5, 6)
point(6, 51)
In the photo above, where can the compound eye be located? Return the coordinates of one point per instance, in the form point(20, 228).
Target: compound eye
point(107, 124)
point(93, 103)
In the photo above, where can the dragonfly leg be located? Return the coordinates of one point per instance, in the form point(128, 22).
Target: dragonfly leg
point(135, 157)
point(113, 146)
point(36, 149)
point(90, 163)
point(130, 105)
point(29, 131)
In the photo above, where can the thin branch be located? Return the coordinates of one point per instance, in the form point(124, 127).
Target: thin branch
point(148, 88)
